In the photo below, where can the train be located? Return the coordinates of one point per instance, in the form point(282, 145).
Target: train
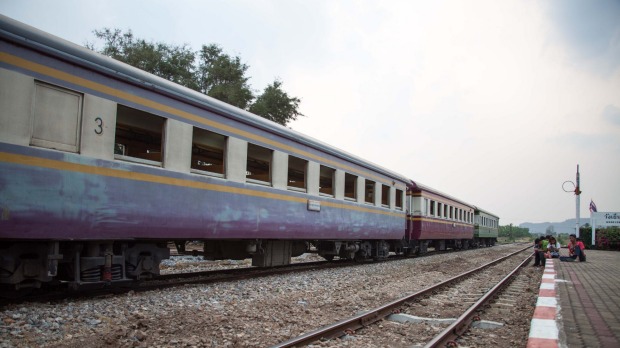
point(103, 166)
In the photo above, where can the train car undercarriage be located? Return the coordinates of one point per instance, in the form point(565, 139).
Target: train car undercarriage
point(31, 264)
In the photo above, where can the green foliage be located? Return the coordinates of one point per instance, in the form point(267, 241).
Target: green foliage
point(513, 232)
point(276, 105)
point(606, 238)
point(223, 77)
point(209, 71)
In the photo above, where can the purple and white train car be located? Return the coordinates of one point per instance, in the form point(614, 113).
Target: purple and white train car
point(102, 165)
point(438, 220)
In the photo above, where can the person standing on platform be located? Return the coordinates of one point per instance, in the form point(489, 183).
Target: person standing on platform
point(536, 254)
point(544, 246)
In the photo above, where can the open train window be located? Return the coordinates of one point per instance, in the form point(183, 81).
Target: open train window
point(445, 211)
point(399, 200)
point(451, 212)
point(297, 173)
point(208, 151)
point(385, 196)
point(350, 187)
point(258, 168)
point(432, 207)
point(138, 136)
point(326, 181)
point(369, 192)
point(57, 113)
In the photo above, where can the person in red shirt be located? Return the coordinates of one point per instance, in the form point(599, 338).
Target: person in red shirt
point(577, 250)
point(582, 247)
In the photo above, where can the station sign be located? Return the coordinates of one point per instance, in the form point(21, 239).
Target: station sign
point(606, 219)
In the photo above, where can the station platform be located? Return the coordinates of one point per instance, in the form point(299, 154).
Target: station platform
point(579, 303)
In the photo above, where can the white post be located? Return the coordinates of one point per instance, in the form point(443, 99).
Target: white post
point(593, 223)
point(577, 203)
point(577, 223)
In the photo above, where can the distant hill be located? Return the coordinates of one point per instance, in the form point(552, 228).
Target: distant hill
point(565, 227)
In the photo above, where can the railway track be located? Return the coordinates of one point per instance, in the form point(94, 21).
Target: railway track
point(61, 291)
point(462, 297)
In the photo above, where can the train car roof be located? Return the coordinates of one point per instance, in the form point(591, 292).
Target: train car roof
point(29, 36)
point(421, 187)
point(486, 212)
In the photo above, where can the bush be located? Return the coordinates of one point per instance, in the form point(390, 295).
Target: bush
point(606, 238)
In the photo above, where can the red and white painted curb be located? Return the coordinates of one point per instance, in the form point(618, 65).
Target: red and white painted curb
point(544, 332)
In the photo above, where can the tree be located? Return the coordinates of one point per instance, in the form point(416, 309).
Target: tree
point(173, 63)
point(223, 77)
point(209, 71)
point(276, 105)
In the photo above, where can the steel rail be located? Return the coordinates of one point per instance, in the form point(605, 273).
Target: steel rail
point(356, 322)
point(461, 324)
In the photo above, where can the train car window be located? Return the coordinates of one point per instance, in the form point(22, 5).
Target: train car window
point(369, 192)
point(432, 207)
point(385, 196)
point(57, 114)
point(258, 169)
point(439, 209)
point(297, 173)
point(326, 181)
point(138, 136)
point(445, 211)
point(399, 199)
point(451, 209)
point(350, 185)
point(208, 151)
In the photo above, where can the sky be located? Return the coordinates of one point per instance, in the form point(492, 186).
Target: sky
point(492, 102)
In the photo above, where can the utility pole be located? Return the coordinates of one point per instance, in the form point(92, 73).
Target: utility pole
point(577, 192)
point(577, 203)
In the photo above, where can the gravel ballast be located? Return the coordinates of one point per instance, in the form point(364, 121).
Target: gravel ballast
point(249, 313)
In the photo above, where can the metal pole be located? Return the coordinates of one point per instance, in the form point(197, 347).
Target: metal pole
point(577, 203)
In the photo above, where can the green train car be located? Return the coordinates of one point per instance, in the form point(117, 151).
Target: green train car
point(486, 228)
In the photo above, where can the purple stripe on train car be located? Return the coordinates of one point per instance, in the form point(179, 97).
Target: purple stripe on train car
point(60, 204)
point(429, 229)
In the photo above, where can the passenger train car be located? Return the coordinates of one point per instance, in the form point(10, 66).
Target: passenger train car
point(486, 228)
point(438, 219)
point(102, 165)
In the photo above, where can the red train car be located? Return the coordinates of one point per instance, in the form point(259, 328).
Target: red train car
point(438, 220)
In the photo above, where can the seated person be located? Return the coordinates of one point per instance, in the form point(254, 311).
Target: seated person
point(578, 250)
point(553, 250)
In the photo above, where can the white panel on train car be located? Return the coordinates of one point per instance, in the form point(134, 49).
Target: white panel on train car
point(56, 118)
point(339, 184)
point(236, 154)
point(313, 178)
point(377, 193)
point(361, 189)
point(279, 173)
point(16, 94)
point(178, 146)
point(98, 122)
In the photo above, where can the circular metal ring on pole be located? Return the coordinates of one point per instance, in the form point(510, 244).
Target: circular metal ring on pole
point(571, 190)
